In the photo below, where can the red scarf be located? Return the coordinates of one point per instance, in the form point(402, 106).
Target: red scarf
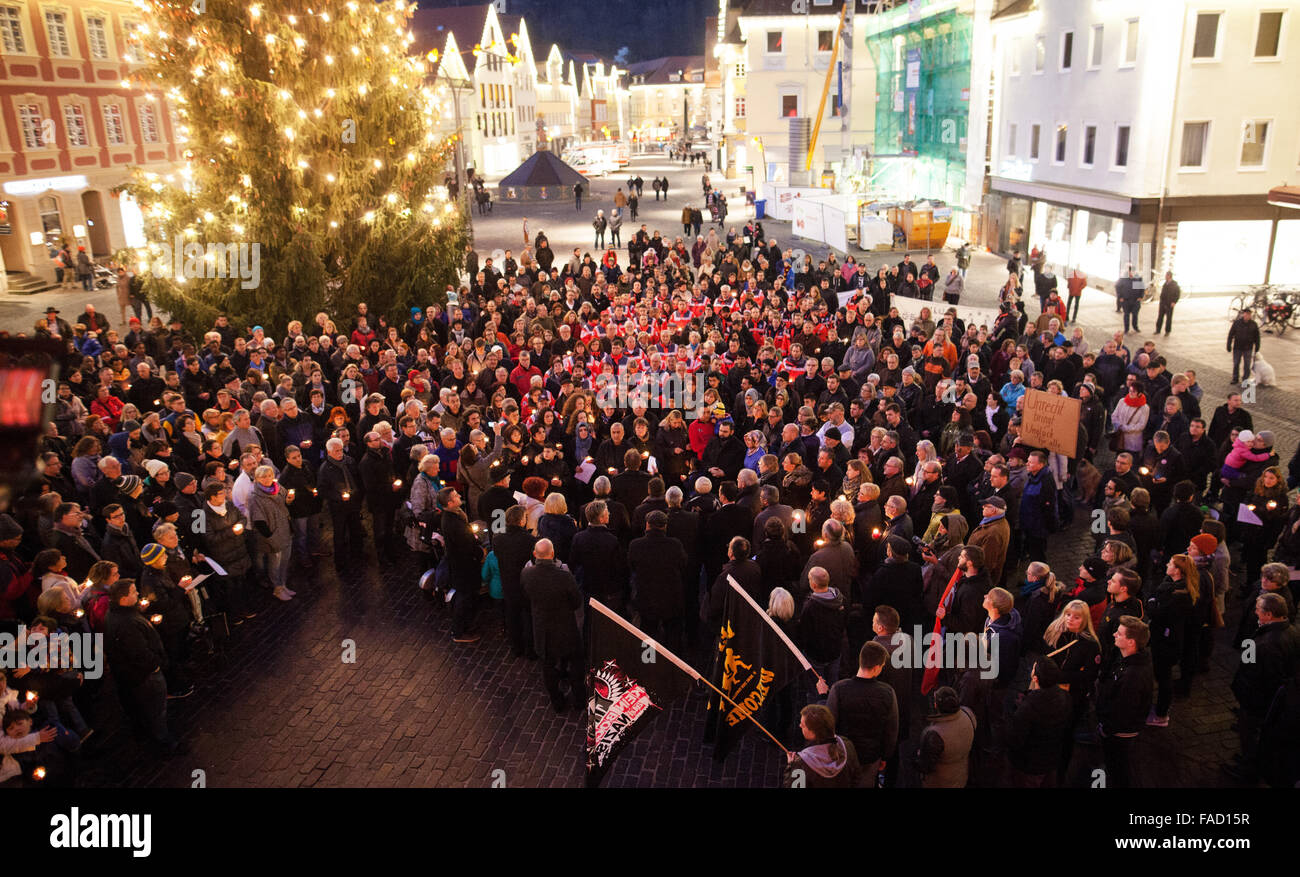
point(1135, 401)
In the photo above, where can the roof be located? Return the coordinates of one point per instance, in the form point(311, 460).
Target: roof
point(431, 24)
point(658, 70)
point(1013, 9)
point(543, 169)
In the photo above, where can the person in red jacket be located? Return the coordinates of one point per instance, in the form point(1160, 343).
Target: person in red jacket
point(18, 589)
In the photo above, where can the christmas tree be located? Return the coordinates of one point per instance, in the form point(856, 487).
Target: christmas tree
point(311, 180)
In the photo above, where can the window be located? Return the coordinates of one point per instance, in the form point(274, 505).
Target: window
point(1034, 132)
point(97, 31)
point(148, 124)
point(775, 42)
point(740, 108)
point(1011, 140)
point(1206, 42)
point(56, 28)
point(1067, 50)
point(1121, 146)
point(825, 40)
point(75, 121)
point(1196, 137)
point(1254, 140)
point(1129, 54)
point(1094, 48)
point(789, 105)
point(1040, 54)
point(11, 30)
point(1062, 132)
point(113, 128)
point(1089, 145)
point(1269, 36)
point(1015, 57)
point(133, 53)
point(29, 117)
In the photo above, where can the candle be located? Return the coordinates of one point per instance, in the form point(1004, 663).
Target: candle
point(144, 604)
point(645, 455)
point(820, 542)
point(397, 483)
point(38, 774)
point(1251, 507)
point(238, 528)
point(306, 443)
point(1272, 504)
point(79, 613)
point(314, 492)
point(474, 527)
point(875, 532)
point(156, 619)
point(524, 460)
point(1144, 471)
point(612, 470)
point(346, 496)
point(31, 697)
point(291, 493)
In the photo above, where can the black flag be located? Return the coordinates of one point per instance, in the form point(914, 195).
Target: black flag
point(753, 662)
point(630, 678)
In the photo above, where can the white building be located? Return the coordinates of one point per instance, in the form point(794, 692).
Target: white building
point(557, 101)
point(667, 98)
point(1147, 133)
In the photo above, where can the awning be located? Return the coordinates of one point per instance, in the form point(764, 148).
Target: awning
point(1284, 196)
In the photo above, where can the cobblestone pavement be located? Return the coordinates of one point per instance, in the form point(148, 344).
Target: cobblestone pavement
point(281, 707)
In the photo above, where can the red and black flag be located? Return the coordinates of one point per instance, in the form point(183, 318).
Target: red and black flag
point(754, 661)
point(630, 679)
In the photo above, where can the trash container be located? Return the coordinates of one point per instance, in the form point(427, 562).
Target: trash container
point(759, 208)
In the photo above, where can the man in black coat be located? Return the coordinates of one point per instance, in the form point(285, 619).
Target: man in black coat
point(898, 583)
point(1124, 700)
point(119, 543)
point(724, 455)
point(866, 710)
point(632, 484)
point(514, 549)
point(684, 526)
point(654, 501)
point(340, 485)
point(596, 558)
point(747, 573)
point(658, 563)
point(965, 612)
point(731, 520)
point(382, 491)
point(70, 538)
point(464, 564)
point(1256, 683)
point(1243, 344)
point(137, 659)
point(1036, 733)
point(553, 595)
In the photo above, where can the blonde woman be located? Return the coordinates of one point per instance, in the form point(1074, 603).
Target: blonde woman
point(1071, 641)
point(1039, 600)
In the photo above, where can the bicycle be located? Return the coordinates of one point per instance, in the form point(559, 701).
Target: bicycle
point(1256, 300)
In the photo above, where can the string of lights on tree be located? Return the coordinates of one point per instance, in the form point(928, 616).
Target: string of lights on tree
point(310, 131)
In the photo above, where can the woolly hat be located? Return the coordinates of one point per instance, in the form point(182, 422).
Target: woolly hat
point(1205, 544)
point(153, 467)
point(1246, 436)
point(151, 552)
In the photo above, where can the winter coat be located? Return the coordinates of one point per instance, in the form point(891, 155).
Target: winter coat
point(831, 765)
point(553, 597)
point(271, 512)
point(658, 565)
point(220, 541)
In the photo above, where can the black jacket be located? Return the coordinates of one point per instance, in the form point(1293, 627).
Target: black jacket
point(597, 561)
point(120, 547)
point(133, 647)
point(898, 584)
point(513, 548)
point(1277, 656)
point(376, 470)
point(821, 626)
point(1243, 335)
point(1168, 609)
point(658, 566)
point(553, 596)
point(1036, 733)
point(966, 614)
point(337, 477)
point(749, 575)
point(728, 521)
point(1124, 694)
point(866, 713)
point(306, 497)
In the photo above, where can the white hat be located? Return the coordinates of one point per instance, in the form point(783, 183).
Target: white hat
point(1246, 436)
point(153, 467)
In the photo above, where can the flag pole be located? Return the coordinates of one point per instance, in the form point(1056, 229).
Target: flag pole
point(682, 665)
point(807, 665)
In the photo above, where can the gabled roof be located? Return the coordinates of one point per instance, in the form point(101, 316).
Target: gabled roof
point(659, 71)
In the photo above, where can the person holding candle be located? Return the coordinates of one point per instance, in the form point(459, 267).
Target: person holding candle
point(339, 484)
point(137, 658)
point(223, 539)
point(167, 598)
point(304, 502)
point(272, 535)
point(383, 493)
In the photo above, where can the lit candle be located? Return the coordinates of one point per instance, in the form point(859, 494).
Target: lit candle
point(820, 542)
point(875, 532)
point(144, 604)
point(38, 774)
point(1272, 504)
point(474, 527)
point(156, 619)
point(397, 483)
point(31, 697)
point(238, 528)
point(314, 491)
point(291, 494)
point(1144, 470)
point(1251, 507)
point(79, 613)
point(645, 455)
point(524, 460)
point(346, 496)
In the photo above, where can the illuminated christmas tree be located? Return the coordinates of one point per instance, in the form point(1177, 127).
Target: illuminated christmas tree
point(307, 134)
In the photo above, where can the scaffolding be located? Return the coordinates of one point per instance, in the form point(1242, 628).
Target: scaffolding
point(922, 54)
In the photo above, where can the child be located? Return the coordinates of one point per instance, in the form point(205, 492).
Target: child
point(1246, 447)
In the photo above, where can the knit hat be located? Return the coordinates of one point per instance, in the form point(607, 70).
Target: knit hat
point(153, 467)
point(1205, 544)
point(9, 528)
point(128, 484)
point(1266, 435)
point(833, 433)
point(152, 552)
point(183, 480)
point(1095, 567)
point(165, 510)
point(1246, 436)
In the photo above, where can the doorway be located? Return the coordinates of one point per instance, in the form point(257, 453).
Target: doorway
point(92, 204)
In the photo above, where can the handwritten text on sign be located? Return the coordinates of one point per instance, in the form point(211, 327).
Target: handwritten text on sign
point(1051, 422)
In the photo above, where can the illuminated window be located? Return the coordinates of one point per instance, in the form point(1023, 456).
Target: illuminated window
point(29, 117)
point(98, 35)
point(148, 124)
point(56, 28)
point(113, 128)
point(11, 30)
point(75, 121)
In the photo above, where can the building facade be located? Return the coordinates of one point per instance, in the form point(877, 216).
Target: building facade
point(667, 99)
point(1147, 134)
point(69, 132)
point(557, 101)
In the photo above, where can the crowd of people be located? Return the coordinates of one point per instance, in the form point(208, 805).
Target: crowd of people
point(860, 474)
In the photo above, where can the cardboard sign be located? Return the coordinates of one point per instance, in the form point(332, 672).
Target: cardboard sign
point(1051, 422)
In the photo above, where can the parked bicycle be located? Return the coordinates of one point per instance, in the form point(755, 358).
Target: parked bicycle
point(1278, 308)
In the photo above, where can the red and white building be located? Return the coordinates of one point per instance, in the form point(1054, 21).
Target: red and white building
point(69, 132)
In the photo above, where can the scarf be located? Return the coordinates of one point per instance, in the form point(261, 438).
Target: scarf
point(269, 491)
point(1135, 401)
point(989, 520)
